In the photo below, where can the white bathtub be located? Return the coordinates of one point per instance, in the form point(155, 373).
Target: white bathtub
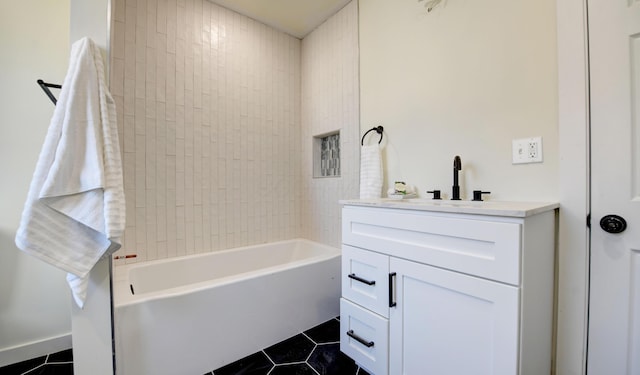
point(193, 314)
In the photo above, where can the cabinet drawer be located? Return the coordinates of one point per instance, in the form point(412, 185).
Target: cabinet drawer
point(364, 336)
point(365, 279)
point(483, 247)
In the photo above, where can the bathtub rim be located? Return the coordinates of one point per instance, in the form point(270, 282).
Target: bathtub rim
point(121, 286)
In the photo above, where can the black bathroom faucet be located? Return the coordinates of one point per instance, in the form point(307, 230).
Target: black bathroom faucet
point(455, 190)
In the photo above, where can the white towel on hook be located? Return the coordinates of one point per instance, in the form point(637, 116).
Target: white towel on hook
point(75, 209)
point(370, 172)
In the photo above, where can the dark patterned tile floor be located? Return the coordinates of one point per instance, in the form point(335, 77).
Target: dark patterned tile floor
point(292, 350)
point(316, 351)
point(60, 363)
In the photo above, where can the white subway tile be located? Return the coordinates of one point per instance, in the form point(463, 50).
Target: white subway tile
point(161, 16)
point(129, 172)
point(151, 23)
point(140, 223)
point(197, 222)
point(129, 96)
point(171, 138)
point(119, 7)
point(140, 173)
point(180, 223)
point(161, 69)
point(171, 172)
point(128, 134)
point(180, 247)
point(150, 102)
point(150, 69)
point(140, 77)
point(130, 24)
point(180, 125)
point(130, 197)
point(189, 239)
point(141, 250)
point(162, 251)
point(180, 189)
point(161, 181)
point(180, 155)
point(117, 77)
point(161, 222)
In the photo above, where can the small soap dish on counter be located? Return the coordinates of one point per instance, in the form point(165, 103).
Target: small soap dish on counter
point(400, 191)
point(402, 196)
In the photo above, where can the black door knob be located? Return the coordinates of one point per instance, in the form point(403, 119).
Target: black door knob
point(613, 224)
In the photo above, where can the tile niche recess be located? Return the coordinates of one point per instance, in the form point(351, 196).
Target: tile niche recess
point(326, 155)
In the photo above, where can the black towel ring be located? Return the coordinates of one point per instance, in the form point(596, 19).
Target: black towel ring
point(377, 129)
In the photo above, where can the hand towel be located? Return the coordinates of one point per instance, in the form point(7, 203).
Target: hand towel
point(370, 172)
point(75, 208)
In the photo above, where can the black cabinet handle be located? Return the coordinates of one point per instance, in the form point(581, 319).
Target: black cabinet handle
point(359, 339)
point(368, 282)
point(392, 300)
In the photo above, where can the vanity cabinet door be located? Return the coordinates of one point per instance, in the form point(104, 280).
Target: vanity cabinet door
point(450, 323)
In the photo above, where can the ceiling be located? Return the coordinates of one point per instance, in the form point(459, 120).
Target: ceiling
point(294, 17)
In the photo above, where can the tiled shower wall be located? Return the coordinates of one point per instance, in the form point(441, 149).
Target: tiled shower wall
point(209, 111)
point(330, 102)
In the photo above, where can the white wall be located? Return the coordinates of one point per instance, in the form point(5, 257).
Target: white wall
point(35, 303)
point(573, 257)
point(467, 78)
point(91, 326)
point(464, 80)
point(330, 102)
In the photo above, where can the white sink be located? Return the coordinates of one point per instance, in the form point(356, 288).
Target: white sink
point(446, 203)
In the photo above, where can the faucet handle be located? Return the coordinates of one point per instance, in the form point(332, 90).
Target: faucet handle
point(436, 194)
point(477, 194)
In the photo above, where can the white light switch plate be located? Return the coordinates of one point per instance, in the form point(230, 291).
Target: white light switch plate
point(527, 150)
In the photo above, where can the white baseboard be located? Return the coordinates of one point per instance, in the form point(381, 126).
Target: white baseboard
point(34, 349)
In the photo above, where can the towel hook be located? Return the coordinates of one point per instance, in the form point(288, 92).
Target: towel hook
point(377, 129)
point(45, 87)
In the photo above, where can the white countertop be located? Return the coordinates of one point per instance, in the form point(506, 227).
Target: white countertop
point(492, 208)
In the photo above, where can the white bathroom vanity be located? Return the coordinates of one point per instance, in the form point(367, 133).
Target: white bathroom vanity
point(442, 287)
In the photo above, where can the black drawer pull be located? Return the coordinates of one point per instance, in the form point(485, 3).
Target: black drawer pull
point(359, 339)
point(368, 282)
